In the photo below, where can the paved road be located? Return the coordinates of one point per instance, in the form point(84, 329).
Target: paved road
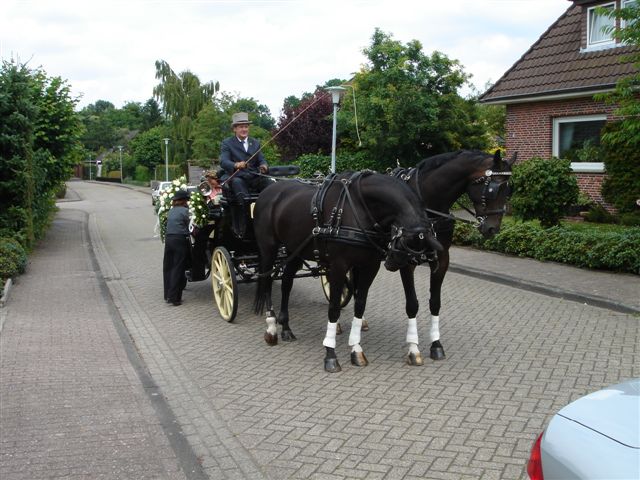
point(246, 410)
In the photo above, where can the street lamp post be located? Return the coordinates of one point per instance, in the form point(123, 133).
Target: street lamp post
point(335, 98)
point(121, 176)
point(89, 167)
point(166, 159)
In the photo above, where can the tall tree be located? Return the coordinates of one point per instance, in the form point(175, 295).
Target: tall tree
point(182, 96)
point(408, 105)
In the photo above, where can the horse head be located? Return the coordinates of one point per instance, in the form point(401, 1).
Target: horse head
point(489, 191)
point(394, 208)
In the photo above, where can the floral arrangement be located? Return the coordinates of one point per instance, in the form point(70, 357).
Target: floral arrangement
point(198, 209)
point(197, 205)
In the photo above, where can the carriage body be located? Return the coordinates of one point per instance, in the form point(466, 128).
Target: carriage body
point(218, 253)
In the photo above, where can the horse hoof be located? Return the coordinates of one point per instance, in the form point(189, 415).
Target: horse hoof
point(437, 353)
point(358, 359)
point(415, 359)
point(288, 336)
point(270, 339)
point(338, 329)
point(332, 365)
point(365, 326)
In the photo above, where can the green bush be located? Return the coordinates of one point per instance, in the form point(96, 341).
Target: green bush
point(621, 187)
point(13, 258)
point(142, 173)
point(599, 214)
point(311, 163)
point(543, 190)
point(617, 250)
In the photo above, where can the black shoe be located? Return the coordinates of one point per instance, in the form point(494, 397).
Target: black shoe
point(176, 304)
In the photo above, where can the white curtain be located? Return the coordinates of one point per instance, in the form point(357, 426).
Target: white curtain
point(596, 24)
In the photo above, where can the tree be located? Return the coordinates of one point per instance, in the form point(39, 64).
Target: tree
point(182, 97)
point(305, 125)
point(407, 105)
point(621, 140)
point(151, 114)
point(39, 142)
point(147, 148)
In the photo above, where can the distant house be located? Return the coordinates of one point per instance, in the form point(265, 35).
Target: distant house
point(549, 91)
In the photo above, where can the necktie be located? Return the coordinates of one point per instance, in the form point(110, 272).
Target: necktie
point(245, 144)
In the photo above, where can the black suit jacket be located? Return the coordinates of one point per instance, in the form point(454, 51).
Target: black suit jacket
point(232, 151)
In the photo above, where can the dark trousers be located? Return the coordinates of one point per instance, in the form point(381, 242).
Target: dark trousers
point(242, 186)
point(174, 265)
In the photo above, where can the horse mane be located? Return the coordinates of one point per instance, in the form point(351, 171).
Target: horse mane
point(432, 163)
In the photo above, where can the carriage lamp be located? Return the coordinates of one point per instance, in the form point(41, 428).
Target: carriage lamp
point(335, 98)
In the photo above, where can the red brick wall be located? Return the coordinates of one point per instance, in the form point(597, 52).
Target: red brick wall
point(530, 125)
point(530, 129)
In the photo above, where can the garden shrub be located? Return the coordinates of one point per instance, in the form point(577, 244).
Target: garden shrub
point(621, 186)
point(609, 250)
point(599, 214)
point(311, 163)
point(13, 258)
point(543, 190)
point(142, 174)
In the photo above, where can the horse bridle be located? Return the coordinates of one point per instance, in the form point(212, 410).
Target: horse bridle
point(490, 191)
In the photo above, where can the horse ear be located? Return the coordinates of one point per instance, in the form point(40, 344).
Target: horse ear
point(512, 160)
point(497, 158)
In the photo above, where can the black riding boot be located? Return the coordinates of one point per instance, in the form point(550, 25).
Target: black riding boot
point(238, 220)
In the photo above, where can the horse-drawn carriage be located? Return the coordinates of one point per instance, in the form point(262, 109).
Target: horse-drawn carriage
point(345, 225)
point(218, 253)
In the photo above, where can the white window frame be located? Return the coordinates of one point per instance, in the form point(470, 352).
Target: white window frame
point(625, 4)
point(602, 43)
point(593, 167)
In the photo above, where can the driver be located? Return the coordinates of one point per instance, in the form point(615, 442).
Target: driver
point(243, 162)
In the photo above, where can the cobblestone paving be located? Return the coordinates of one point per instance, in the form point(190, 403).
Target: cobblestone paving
point(254, 411)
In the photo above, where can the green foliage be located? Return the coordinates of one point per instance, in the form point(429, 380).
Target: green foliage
point(312, 164)
point(621, 186)
point(617, 250)
point(598, 214)
point(142, 174)
point(543, 190)
point(147, 148)
point(13, 258)
point(408, 106)
point(182, 96)
point(39, 143)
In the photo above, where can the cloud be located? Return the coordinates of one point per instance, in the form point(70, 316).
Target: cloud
point(267, 50)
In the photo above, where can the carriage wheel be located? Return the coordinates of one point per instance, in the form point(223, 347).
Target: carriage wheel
point(347, 290)
point(223, 281)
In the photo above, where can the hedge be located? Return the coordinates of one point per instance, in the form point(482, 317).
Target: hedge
point(616, 251)
point(13, 258)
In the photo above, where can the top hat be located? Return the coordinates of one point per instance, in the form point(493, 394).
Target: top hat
point(240, 118)
point(181, 195)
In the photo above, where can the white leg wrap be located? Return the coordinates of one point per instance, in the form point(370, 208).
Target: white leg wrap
point(330, 338)
point(412, 331)
point(356, 348)
point(413, 348)
point(435, 328)
point(271, 326)
point(354, 335)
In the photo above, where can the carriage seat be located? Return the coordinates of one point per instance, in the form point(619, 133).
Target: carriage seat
point(274, 171)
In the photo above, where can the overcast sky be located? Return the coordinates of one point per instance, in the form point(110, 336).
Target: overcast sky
point(265, 49)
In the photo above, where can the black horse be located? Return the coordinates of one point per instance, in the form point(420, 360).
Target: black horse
point(351, 222)
point(439, 181)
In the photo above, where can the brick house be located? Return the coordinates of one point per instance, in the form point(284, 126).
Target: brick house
point(548, 92)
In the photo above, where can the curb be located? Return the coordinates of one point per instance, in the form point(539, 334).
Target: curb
point(5, 292)
point(536, 287)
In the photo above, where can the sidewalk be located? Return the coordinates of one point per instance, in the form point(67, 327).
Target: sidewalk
point(76, 400)
point(615, 291)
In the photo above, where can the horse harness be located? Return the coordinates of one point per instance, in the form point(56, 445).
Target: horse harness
point(489, 192)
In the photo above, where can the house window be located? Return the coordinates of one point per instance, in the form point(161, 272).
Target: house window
point(628, 4)
point(599, 25)
point(578, 139)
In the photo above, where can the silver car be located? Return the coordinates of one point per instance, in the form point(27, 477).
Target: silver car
point(595, 437)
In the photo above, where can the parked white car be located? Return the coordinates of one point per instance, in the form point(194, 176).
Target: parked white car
point(157, 190)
